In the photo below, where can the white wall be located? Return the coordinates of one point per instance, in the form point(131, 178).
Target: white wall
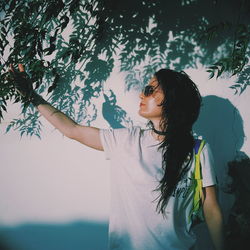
point(56, 180)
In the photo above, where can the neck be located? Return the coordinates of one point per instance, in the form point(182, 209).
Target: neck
point(157, 133)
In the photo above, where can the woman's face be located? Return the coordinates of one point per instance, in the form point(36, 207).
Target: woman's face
point(150, 107)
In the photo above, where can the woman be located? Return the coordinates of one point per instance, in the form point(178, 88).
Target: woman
point(151, 170)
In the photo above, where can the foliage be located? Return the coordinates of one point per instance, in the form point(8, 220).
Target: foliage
point(239, 56)
point(69, 46)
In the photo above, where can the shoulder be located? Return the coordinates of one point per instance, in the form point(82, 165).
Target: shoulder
point(122, 132)
point(114, 140)
point(132, 133)
point(201, 145)
point(202, 149)
point(206, 160)
point(127, 130)
point(198, 145)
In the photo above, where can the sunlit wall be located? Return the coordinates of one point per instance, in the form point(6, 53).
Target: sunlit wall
point(57, 181)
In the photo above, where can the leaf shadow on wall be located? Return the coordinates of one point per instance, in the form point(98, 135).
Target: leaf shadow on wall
point(157, 33)
point(115, 115)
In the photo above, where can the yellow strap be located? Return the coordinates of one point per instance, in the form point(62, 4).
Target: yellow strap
point(198, 193)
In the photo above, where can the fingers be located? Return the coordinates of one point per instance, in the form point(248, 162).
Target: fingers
point(17, 75)
point(21, 67)
point(11, 69)
point(20, 80)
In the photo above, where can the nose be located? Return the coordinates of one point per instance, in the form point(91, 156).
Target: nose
point(141, 95)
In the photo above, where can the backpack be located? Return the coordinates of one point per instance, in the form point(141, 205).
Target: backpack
point(196, 214)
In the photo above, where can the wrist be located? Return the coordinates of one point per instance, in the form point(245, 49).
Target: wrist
point(36, 99)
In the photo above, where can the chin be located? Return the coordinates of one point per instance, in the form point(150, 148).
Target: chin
point(142, 114)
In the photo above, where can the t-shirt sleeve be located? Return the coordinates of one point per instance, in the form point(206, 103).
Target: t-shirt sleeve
point(112, 140)
point(207, 166)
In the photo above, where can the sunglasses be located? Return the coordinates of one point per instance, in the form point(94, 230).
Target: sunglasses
point(148, 90)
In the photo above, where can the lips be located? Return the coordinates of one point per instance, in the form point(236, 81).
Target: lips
point(142, 104)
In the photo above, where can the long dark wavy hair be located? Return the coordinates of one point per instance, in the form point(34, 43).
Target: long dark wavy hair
point(180, 109)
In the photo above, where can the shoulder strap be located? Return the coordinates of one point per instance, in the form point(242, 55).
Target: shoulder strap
point(198, 148)
point(197, 145)
point(198, 192)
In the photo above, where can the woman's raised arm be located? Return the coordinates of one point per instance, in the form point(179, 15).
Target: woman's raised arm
point(88, 136)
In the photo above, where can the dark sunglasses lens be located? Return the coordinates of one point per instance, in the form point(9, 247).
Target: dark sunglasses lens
point(148, 90)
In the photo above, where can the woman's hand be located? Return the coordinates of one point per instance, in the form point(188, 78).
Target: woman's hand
point(22, 81)
point(23, 85)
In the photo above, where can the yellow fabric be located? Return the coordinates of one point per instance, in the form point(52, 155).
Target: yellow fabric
point(198, 193)
point(198, 177)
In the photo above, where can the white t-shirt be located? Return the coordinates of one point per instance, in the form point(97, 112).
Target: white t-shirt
point(136, 168)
